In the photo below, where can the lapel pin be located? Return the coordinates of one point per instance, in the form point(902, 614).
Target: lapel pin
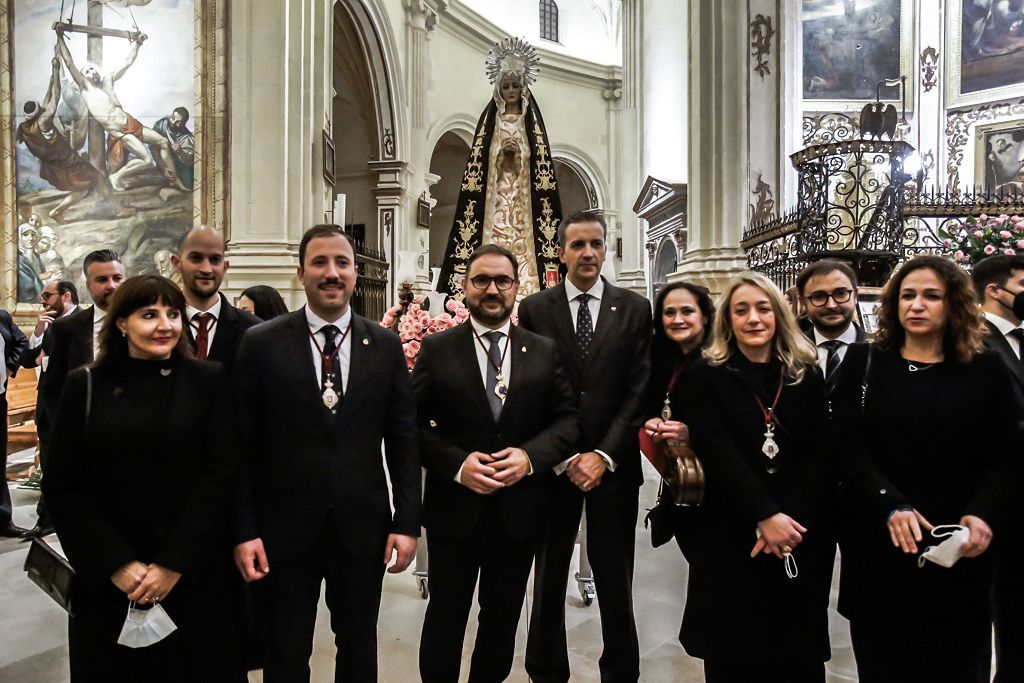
point(433, 424)
point(524, 349)
point(613, 308)
point(366, 342)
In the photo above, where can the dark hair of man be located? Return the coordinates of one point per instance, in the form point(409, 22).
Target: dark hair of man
point(68, 287)
point(494, 249)
point(135, 293)
point(267, 302)
point(964, 329)
point(995, 270)
point(322, 230)
point(99, 256)
point(182, 112)
point(824, 267)
point(588, 216)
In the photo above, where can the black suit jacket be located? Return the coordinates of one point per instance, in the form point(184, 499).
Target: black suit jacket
point(227, 336)
point(609, 384)
point(302, 464)
point(68, 345)
point(15, 342)
point(995, 341)
point(455, 419)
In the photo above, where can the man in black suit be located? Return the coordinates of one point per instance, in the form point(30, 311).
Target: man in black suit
point(215, 327)
point(828, 291)
point(317, 390)
point(495, 414)
point(999, 283)
point(14, 343)
point(602, 333)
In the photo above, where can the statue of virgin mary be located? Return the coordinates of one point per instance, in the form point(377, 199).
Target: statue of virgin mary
point(509, 195)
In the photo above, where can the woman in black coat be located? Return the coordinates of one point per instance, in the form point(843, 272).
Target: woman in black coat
point(760, 551)
point(929, 439)
point(138, 484)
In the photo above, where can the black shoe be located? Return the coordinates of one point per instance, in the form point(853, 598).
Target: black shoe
point(44, 530)
point(12, 531)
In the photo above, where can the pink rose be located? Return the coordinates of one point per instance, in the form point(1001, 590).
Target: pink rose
point(1020, 244)
point(983, 217)
point(406, 329)
point(979, 233)
point(989, 249)
point(960, 256)
point(412, 348)
point(947, 243)
point(1010, 252)
point(1005, 234)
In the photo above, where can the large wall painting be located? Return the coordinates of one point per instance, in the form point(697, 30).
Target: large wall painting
point(108, 100)
point(985, 59)
point(851, 45)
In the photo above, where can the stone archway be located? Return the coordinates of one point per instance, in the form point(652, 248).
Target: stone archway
point(665, 263)
point(448, 161)
point(575, 188)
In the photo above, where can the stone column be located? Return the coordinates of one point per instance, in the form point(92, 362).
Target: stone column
point(627, 150)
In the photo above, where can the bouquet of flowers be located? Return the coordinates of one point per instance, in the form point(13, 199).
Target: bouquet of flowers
point(983, 236)
point(415, 323)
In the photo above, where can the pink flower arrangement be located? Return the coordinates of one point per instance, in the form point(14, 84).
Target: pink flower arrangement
point(415, 324)
point(979, 237)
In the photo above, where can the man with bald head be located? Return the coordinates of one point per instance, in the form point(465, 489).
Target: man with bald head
point(215, 327)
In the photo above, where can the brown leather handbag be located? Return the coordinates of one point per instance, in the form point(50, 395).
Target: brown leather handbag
point(684, 474)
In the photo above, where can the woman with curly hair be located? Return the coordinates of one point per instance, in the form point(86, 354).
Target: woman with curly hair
point(910, 413)
point(760, 551)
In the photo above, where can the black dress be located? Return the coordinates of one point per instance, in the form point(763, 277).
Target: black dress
point(940, 439)
point(146, 477)
point(740, 609)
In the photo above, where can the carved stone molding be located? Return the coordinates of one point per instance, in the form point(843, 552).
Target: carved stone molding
point(957, 124)
point(679, 237)
point(764, 210)
point(761, 34)
point(929, 68)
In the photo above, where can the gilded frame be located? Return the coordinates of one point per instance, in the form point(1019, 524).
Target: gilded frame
point(211, 120)
point(908, 67)
point(954, 47)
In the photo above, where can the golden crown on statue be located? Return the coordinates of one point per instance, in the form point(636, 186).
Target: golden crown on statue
point(513, 55)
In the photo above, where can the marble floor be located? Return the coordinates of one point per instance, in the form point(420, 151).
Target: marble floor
point(33, 642)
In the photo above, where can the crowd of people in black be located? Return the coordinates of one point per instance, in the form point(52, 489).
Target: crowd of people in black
point(219, 496)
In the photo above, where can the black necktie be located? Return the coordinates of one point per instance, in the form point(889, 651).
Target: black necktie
point(330, 344)
point(494, 353)
point(1018, 334)
point(584, 325)
point(832, 360)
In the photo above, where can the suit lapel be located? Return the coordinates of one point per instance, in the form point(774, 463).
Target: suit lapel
point(469, 365)
point(519, 351)
point(1002, 347)
point(85, 335)
point(607, 319)
point(302, 367)
point(226, 331)
point(360, 363)
point(562, 315)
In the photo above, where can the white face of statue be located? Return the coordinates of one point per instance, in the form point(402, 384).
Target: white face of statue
point(511, 90)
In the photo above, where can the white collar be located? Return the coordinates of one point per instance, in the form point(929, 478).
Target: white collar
point(191, 311)
point(847, 337)
point(69, 311)
point(1004, 326)
point(572, 291)
point(316, 323)
point(481, 329)
point(98, 314)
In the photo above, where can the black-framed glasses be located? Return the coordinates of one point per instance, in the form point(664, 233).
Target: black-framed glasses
point(502, 282)
point(45, 296)
point(840, 296)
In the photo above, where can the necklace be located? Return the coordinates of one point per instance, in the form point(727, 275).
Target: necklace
point(330, 396)
point(914, 366)
point(666, 408)
point(770, 448)
point(500, 388)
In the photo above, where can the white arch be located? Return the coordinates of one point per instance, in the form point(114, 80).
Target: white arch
point(583, 162)
point(460, 124)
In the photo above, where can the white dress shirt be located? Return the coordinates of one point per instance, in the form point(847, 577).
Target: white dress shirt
point(848, 337)
point(1005, 327)
point(316, 324)
point(98, 316)
point(34, 341)
point(192, 313)
point(594, 304)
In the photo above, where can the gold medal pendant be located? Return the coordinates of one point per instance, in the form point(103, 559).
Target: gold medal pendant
point(666, 410)
point(500, 390)
point(330, 396)
point(770, 448)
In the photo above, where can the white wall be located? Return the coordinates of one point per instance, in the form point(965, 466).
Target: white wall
point(665, 70)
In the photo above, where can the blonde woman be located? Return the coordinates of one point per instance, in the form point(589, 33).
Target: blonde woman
point(762, 544)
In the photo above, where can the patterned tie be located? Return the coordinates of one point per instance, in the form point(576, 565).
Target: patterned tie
point(330, 344)
point(203, 320)
point(494, 353)
point(584, 325)
point(832, 360)
point(1018, 334)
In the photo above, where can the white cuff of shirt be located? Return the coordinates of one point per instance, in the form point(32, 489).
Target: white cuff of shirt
point(34, 341)
point(560, 467)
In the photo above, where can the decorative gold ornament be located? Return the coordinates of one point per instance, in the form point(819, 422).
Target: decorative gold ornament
point(513, 55)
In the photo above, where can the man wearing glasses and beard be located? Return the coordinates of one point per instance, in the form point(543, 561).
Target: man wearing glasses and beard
point(828, 291)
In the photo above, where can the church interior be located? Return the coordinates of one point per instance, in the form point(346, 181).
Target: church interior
point(714, 138)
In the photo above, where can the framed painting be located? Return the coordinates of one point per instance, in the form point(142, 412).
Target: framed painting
point(999, 156)
point(112, 135)
point(848, 47)
point(985, 53)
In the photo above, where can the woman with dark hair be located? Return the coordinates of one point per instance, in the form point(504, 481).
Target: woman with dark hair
point(760, 545)
point(138, 483)
point(262, 301)
point(910, 412)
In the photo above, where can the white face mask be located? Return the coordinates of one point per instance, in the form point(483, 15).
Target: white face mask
point(948, 552)
point(144, 627)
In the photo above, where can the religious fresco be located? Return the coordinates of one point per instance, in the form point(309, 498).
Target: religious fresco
point(991, 45)
point(103, 97)
point(850, 45)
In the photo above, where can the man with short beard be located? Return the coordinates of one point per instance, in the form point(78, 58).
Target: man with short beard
point(215, 327)
point(495, 413)
point(828, 291)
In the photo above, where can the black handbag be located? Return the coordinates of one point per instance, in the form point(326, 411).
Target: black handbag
point(46, 567)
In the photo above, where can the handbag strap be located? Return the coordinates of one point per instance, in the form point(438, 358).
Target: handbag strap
point(864, 382)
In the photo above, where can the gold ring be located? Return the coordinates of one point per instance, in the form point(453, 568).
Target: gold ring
point(786, 550)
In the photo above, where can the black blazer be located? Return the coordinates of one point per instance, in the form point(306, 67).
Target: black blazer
point(231, 325)
point(807, 327)
point(609, 384)
point(995, 341)
point(15, 342)
point(301, 463)
point(455, 419)
point(68, 345)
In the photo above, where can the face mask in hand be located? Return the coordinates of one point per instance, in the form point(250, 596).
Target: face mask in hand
point(144, 627)
point(945, 554)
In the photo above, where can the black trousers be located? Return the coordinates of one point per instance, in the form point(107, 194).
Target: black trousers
point(885, 656)
point(502, 564)
point(743, 672)
point(287, 600)
point(43, 430)
point(611, 530)
point(6, 506)
point(1008, 604)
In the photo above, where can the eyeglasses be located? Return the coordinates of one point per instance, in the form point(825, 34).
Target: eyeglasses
point(502, 282)
point(840, 296)
point(45, 296)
